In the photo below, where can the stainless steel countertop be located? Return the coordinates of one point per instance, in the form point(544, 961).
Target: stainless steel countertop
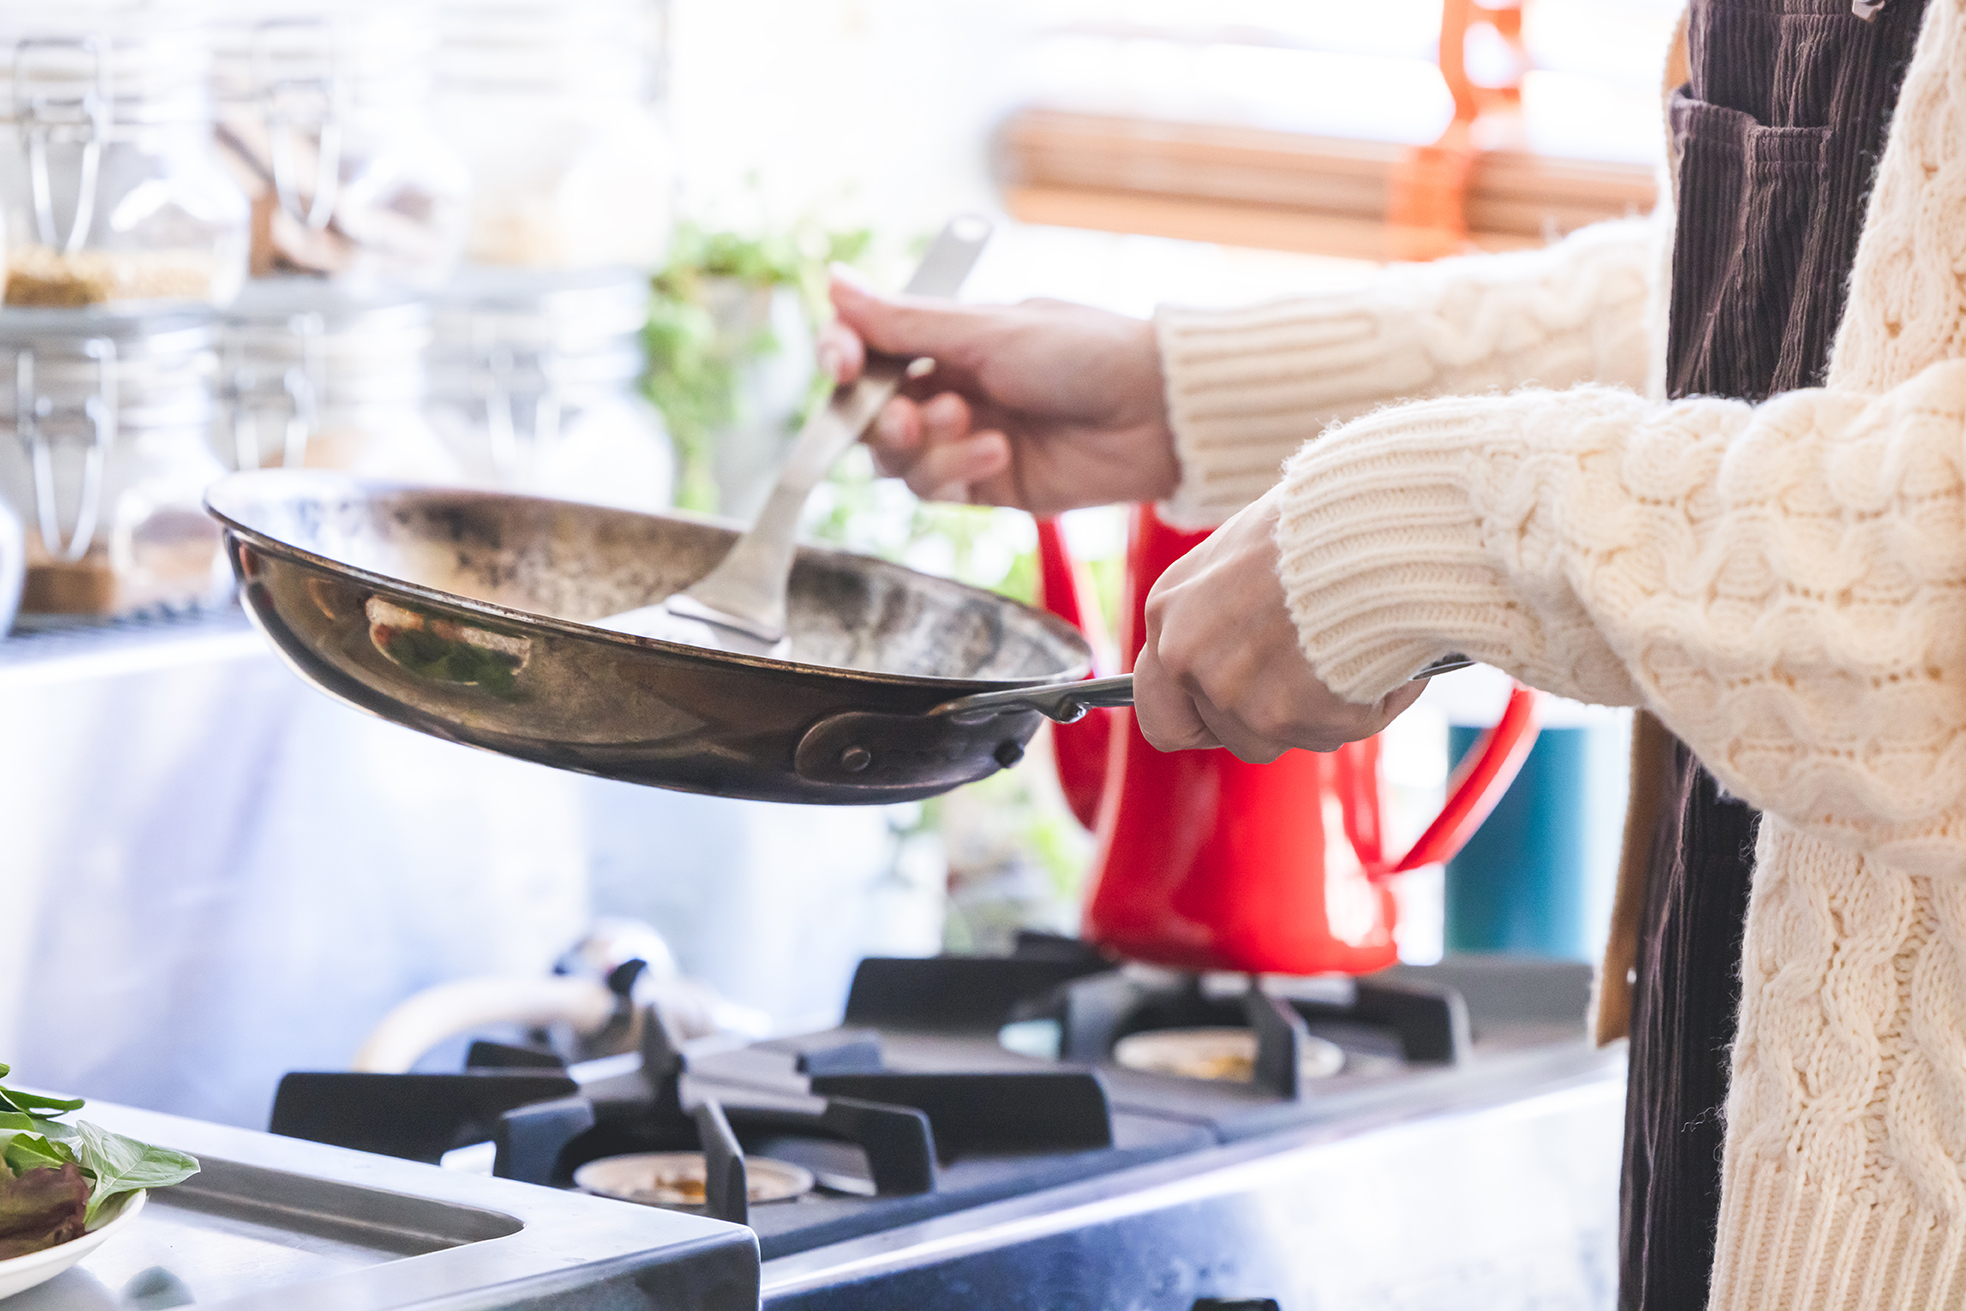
point(1497, 1194)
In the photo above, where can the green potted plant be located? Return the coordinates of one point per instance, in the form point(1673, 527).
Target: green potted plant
point(731, 366)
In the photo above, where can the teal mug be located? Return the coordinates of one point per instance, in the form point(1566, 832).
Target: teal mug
point(1537, 878)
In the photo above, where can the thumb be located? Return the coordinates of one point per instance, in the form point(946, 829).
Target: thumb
point(906, 325)
point(1396, 701)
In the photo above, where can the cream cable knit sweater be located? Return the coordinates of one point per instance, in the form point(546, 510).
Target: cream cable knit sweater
point(1784, 585)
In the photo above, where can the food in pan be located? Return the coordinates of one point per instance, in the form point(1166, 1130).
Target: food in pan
point(443, 651)
point(59, 1179)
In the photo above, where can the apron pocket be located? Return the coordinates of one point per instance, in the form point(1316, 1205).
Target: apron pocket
point(1748, 213)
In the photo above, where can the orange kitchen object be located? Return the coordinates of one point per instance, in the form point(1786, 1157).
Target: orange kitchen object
point(1079, 748)
point(1205, 862)
point(1427, 189)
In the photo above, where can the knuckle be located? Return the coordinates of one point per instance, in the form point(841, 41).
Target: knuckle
point(946, 410)
point(1182, 652)
point(1275, 714)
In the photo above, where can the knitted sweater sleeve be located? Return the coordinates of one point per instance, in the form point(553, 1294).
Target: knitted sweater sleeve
point(1247, 387)
point(1784, 585)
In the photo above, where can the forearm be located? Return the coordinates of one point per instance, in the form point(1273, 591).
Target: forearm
point(1247, 387)
point(1784, 585)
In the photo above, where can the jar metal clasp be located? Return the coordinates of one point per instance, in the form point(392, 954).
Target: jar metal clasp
point(500, 374)
point(46, 116)
point(31, 411)
point(300, 388)
point(299, 100)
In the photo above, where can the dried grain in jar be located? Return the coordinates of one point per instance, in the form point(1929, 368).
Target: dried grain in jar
point(109, 189)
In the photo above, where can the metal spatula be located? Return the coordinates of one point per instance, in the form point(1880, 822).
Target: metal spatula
point(739, 606)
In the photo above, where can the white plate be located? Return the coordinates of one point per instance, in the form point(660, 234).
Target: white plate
point(20, 1273)
point(675, 1179)
point(1225, 1054)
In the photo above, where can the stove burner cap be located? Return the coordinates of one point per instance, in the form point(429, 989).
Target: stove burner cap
point(675, 1179)
point(1225, 1054)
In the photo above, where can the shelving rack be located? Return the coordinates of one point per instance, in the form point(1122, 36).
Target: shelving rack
point(46, 650)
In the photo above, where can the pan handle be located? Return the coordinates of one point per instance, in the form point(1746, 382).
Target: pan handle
point(1067, 702)
point(1064, 702)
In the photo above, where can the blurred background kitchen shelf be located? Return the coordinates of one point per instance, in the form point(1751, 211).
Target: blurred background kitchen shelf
point(578, 248)
point(56, 648)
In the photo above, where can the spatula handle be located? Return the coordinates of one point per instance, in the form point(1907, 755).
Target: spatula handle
point(747, 588)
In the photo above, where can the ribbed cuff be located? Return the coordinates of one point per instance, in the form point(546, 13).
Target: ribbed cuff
point(1428, 529)
point(1789, 1244)
point(1247, 388)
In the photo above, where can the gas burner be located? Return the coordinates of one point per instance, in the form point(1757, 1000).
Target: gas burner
point(681, 1180)
point(915, 1108)
point(1218, 1053)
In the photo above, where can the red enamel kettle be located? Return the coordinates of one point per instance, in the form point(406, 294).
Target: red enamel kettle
point(1207, 863)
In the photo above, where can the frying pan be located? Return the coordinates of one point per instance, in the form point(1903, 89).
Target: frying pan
point(465, 614)
point(468, 615)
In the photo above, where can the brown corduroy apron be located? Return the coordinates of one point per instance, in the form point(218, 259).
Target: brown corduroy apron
point(1778, 133)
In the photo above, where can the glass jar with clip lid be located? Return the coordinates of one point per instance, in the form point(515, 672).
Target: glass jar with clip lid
point(534, 385)
point(323, 117)
point(553, 106)
point(314, 375)
point(108, 461)
point(108, 183)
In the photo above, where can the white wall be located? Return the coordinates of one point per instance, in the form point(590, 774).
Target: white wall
point(867, 110)
point(214, 874)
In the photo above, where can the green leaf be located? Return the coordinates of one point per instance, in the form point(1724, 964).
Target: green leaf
point(695, 371)
point(24, 1151)
point(122, 1165)
point(36, 1104)
point(33, 1142)
point(441, 659)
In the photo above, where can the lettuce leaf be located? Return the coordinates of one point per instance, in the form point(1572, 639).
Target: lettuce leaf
point(40, 1208)
point(119, 1165)
point(35, 1104)
point(22, 1150)
point(108, 1165)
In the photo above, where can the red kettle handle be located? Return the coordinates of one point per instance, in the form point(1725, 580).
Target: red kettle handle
point(1478, 784)
point(1484, 775)
point(1079, 750)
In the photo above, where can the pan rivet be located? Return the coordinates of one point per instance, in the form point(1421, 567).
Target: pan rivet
point(855, 759)
point(1009, 753)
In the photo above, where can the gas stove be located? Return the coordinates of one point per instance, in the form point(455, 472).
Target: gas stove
point(971, 1134)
